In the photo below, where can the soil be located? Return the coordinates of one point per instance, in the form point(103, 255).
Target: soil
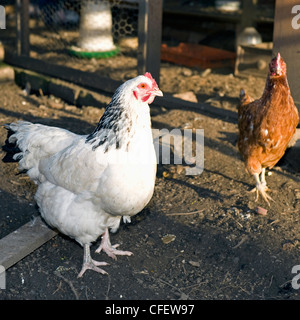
point(200, 237)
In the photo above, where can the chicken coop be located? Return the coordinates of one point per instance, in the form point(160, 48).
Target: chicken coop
point(66, 39)
point(67, 58)
point(80, 41)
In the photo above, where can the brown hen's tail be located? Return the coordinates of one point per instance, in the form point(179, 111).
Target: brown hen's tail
point(244, 97)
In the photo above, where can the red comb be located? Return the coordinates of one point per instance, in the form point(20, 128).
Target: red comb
point(148, 75)
point(278, 57)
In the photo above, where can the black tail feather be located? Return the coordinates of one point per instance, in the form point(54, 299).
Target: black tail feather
point(10, 148)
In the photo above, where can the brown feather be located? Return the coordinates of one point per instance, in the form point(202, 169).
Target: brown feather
point(267, 125)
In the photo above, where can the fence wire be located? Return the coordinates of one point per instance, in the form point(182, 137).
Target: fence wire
point(58, 29)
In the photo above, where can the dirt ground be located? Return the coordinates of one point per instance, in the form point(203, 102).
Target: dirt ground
point(200, 236)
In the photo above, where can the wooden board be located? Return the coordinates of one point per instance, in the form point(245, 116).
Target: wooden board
point(170, 102)
point(196, 55)
point(18, 244)
point(76, 76)
point(60, 88)
point(287, 41)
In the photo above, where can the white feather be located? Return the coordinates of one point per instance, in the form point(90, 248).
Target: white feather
point(84, 187)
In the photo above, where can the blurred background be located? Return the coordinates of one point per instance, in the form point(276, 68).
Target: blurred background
point(57, 33)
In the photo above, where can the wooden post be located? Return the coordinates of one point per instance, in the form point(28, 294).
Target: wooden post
point(149, 36)
point(247, 18)
point(248, 14)
point(22, 9)
point(286, 40)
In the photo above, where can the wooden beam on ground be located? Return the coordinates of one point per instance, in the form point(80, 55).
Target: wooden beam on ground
point(18, 244)
point(82, 78)
point(170, 102)
point(61, 90)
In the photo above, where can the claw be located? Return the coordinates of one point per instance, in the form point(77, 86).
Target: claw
point(89, 263)
point(263, 193)
point(92, 265)
point(111, 250)
point(261, 188)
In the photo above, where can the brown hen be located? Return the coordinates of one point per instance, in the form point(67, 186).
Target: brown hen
point(267, 125)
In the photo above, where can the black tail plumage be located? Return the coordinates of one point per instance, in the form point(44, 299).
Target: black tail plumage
point(10, 148)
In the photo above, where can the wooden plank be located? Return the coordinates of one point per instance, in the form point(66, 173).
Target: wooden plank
point(149, 35)
point(286, 41)
point(171, 102)
point(23, 241)
point(87, 79)
point(168, 101)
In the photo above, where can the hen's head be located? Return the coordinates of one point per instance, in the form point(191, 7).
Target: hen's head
point(277, 66)
point(143, 88)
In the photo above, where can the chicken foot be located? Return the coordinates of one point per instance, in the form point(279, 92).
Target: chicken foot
point(89, 263)
point(111, 250)
point(261, 186)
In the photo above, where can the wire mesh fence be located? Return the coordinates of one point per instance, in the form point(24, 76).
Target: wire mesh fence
point(99, 36)
point(69, 32)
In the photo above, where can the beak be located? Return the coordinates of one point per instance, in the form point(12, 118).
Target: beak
point(278, 70)
point(156, 92)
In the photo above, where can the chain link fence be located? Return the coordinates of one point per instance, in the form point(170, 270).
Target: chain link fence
point(99, 36)
point(69, 32)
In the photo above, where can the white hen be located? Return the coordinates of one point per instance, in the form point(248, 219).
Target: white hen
point(87, 183)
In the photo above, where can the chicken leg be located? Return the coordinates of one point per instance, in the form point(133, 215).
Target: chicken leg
point(261, 186)
point(111, 250)
point(89, 263)
point(263, 178)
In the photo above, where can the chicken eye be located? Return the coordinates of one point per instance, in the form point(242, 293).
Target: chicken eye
point(143, 86)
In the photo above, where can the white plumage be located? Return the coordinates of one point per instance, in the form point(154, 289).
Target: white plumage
point(86, 183)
